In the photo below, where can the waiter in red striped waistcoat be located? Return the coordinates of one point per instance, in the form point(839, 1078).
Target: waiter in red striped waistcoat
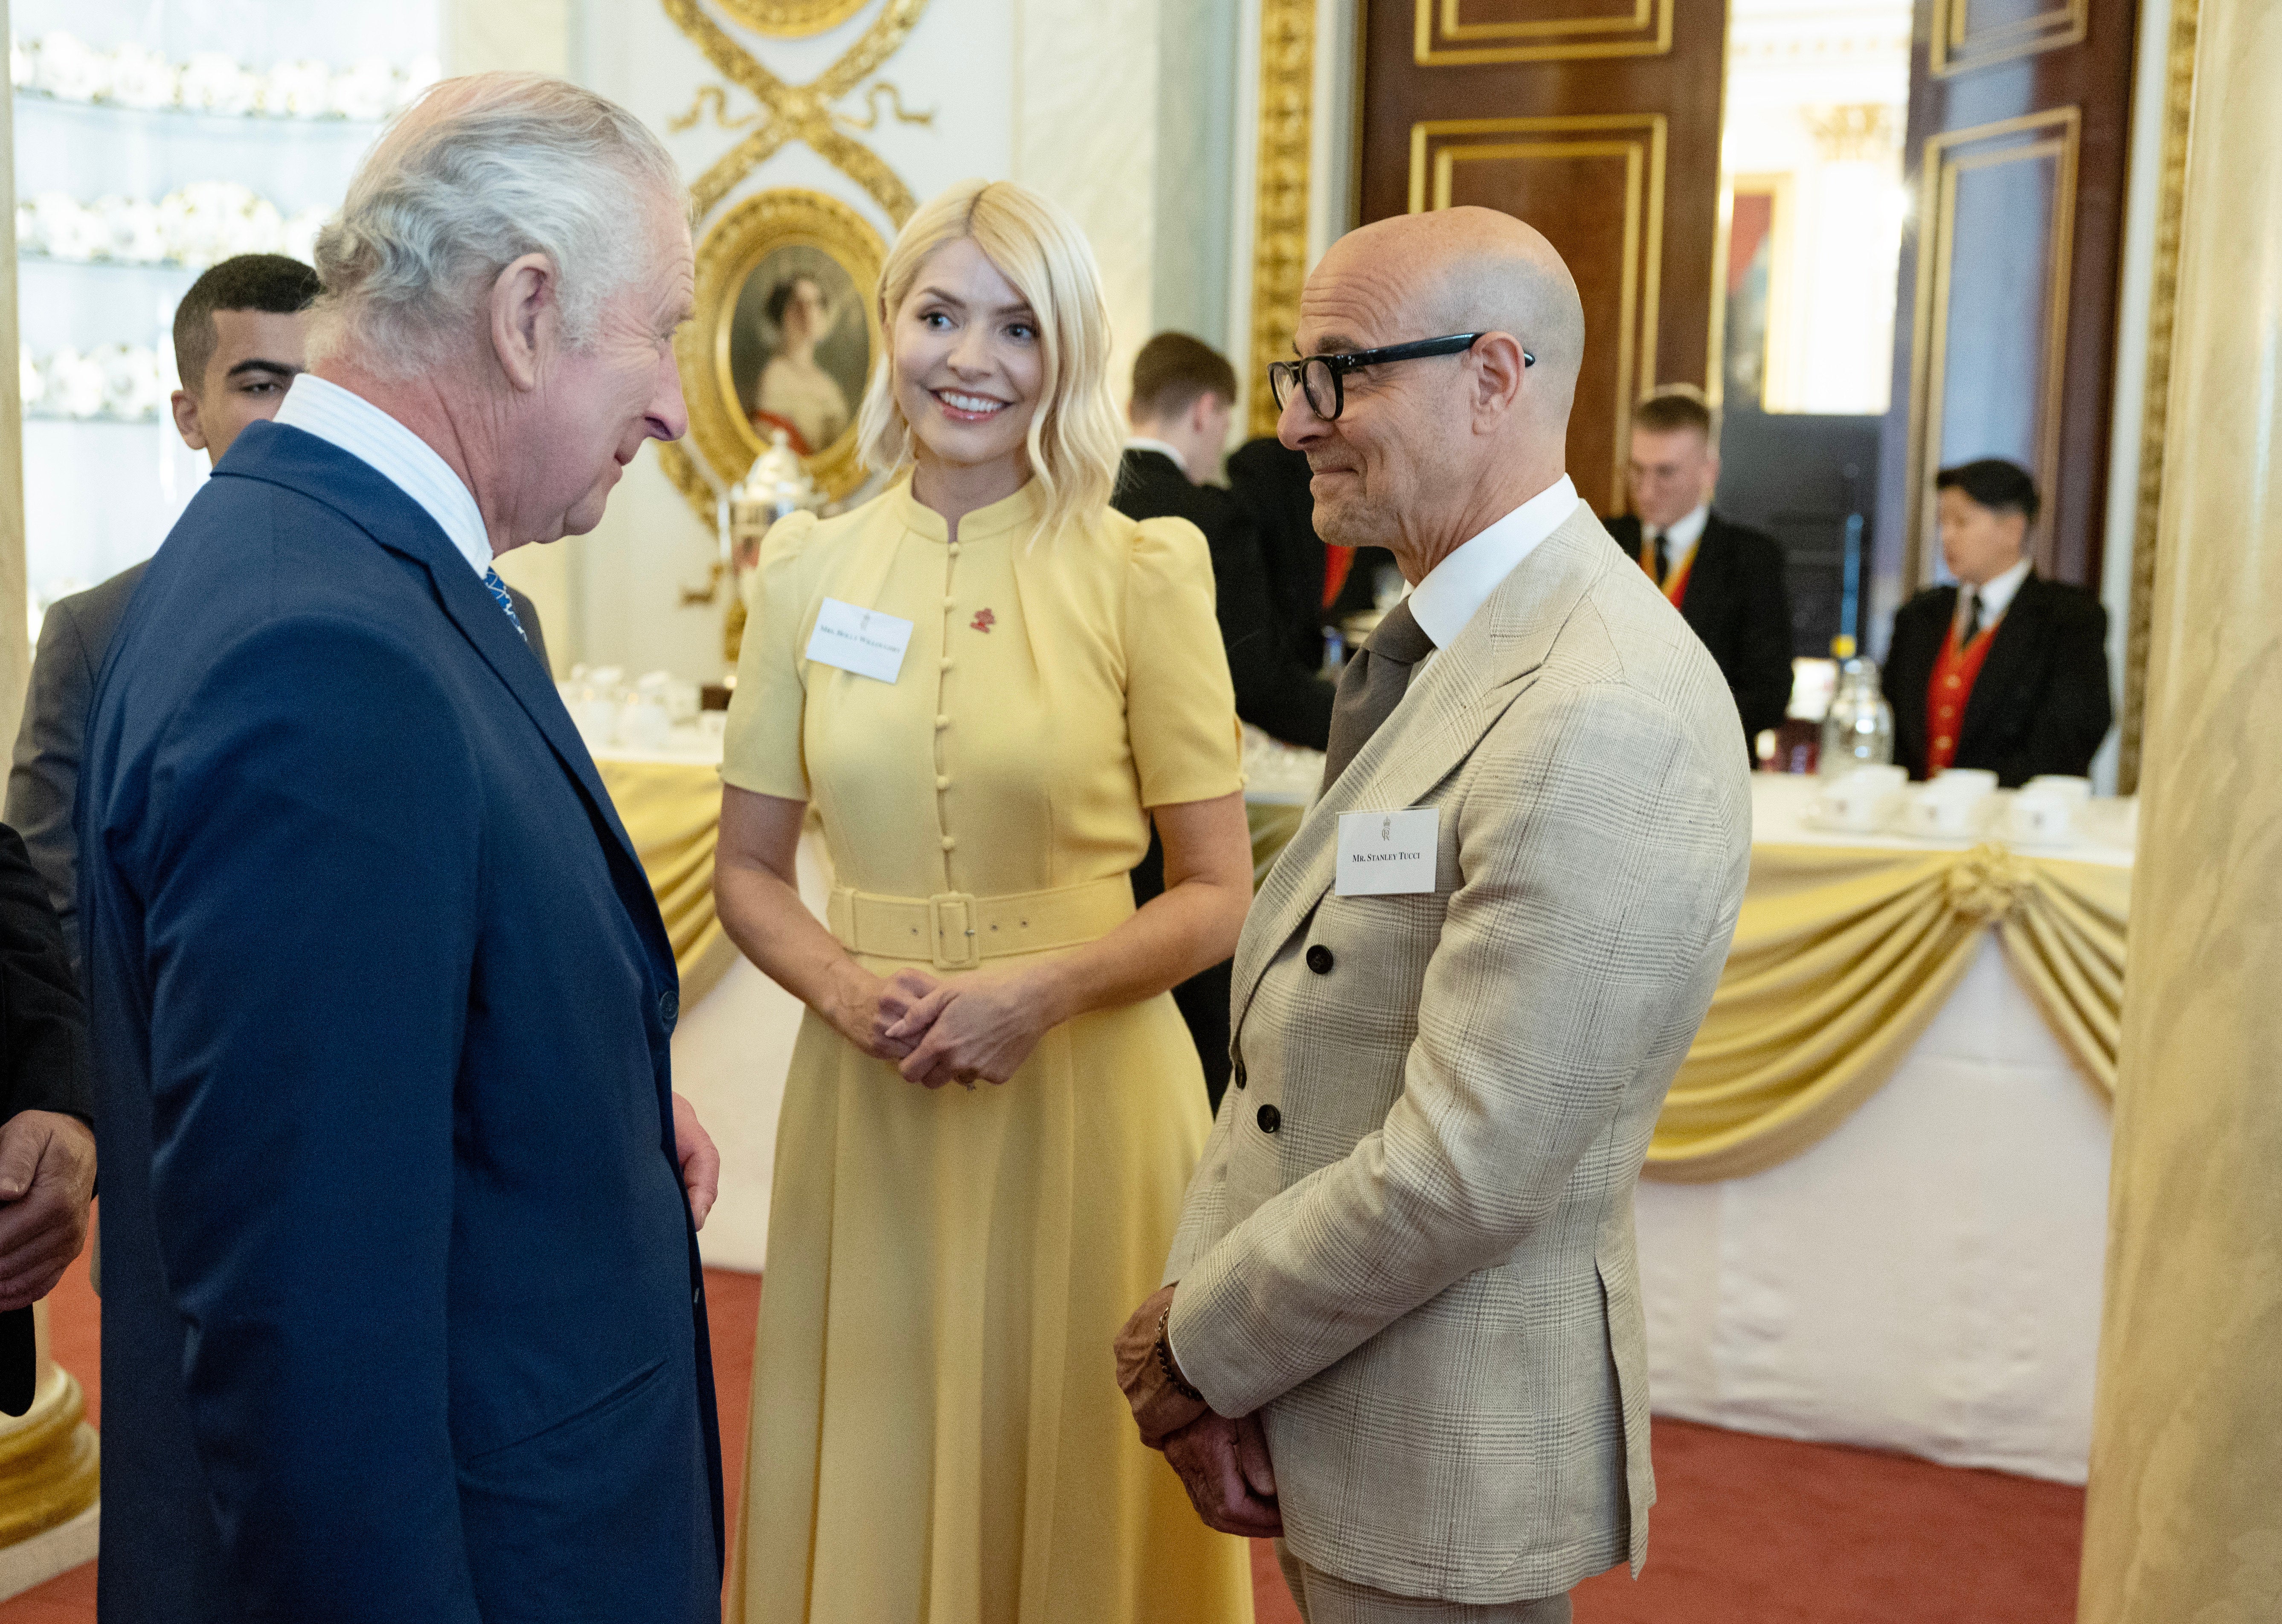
point(2003, 670)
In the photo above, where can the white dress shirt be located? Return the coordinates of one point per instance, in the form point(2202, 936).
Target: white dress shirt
point(344, 418)
point(1680, 538)
point(1996, 597)
point(1456, 589)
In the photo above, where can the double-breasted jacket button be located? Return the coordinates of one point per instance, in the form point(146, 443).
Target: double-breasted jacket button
point(1269, 1119)
point(1319, 959)
point(1237, 1076)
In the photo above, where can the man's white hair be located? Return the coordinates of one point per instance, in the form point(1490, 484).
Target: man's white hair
point(479, 172)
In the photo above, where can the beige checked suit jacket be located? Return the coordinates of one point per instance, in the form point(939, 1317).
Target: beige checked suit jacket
point(1411, 1239)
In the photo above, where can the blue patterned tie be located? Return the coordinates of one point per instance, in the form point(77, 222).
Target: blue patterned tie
point(506, 603)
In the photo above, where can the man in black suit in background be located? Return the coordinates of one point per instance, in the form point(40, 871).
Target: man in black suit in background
point(1726, 580)
point(240, 340)
point(2005, 670)
point(1183, 393)
point(47, 1101)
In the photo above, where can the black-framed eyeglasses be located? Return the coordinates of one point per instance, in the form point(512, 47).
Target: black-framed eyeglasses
point(1321, 378)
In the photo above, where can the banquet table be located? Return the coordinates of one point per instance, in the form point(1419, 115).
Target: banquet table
point(1875, 1209)
point(1909, 1254)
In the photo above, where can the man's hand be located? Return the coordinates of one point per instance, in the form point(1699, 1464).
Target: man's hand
point(700, 1162)
point(1224, 1466)
point(1160, 1409)
point(47, 1174)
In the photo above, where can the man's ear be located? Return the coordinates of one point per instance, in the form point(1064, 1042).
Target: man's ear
point(185, 406)
point(526, 318)
point(1497, 363)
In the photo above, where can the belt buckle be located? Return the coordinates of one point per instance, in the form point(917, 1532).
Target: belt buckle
point(951, 925)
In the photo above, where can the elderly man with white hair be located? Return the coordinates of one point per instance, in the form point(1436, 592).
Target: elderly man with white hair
point(403, 1315)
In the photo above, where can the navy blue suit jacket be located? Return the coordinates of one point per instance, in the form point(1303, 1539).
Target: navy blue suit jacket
point(403, 1317)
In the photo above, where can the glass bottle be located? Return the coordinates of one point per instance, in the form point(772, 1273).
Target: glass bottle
point(1859, 728)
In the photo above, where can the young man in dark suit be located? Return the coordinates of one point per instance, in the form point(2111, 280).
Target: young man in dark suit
point(1726, 580)
point(241, 337)
point(2004, 670)
point(1183, 393)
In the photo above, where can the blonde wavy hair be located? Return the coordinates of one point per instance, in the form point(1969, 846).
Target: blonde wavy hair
point(1076, 436)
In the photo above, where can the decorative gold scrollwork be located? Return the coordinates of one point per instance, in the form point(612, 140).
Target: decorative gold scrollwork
point(716, 97)
point(1987, 884)
point(792, 19)
point(802, 112)
point(871, 118)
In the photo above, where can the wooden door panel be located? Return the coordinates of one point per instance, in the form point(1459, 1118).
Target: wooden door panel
point(2019, 114)
point(1597, 183)
point(1597, 121)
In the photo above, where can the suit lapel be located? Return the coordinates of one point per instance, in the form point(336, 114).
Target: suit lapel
point(377, 506)
point(1443, 716)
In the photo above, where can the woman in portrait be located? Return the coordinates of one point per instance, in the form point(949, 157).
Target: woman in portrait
point(937, 1433)
point(794, 392)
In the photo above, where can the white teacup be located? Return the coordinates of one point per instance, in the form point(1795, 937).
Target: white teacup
point(2073, 789)
point(1859, 801)
point(644, 724)
point(1941, 814)
point(1965, 781)
point(2041, 818)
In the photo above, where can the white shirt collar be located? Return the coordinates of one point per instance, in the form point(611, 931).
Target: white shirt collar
point(1456, 589)
point(1141, 443)
point(343, 418)
point(1997, 597)
point(1682, 534)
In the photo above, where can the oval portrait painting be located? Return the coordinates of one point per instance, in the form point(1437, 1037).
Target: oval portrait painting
point(799, 348)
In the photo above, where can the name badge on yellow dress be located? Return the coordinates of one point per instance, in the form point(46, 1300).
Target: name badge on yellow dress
point(865, 641)
point(1387, 854)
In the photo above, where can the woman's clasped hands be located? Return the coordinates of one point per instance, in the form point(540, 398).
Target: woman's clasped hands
point(979, 1027)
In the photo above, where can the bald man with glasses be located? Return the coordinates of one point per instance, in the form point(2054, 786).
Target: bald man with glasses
point(1400, 1330)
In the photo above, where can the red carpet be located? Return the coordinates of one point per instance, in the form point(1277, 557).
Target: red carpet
point(1747, 1530)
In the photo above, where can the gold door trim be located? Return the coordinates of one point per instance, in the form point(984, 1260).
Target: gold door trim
point(1441, 41)
point(1945, 162)
point(1280, 191)
point(1957, 49)
point(2162, 311)
point(1433, 168)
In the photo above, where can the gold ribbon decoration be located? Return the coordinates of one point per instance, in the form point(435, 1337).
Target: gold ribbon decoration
point(801, 113)
point(1841, 958)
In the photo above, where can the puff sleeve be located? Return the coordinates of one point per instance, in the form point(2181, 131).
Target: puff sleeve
point(1180, 707)
point(761, 746)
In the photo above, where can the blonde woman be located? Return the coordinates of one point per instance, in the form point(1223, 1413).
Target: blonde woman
point(988, 683)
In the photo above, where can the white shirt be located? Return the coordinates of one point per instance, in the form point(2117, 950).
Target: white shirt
point(1680, 538)
point(1996, 598)
point(1456, 589)
point(1140, 443)
point(344, 418)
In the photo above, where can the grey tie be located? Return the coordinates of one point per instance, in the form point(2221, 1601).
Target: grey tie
point(1372, 686)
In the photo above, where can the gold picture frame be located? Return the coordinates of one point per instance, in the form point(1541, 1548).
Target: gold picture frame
point(756, 256)
point(792, 19)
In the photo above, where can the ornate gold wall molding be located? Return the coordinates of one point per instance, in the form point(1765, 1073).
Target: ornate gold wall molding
point(792, 19)
point(801, 113)
point(1444, 38)
point(1279, 232)
point(1957, 47)
point(2162, 311)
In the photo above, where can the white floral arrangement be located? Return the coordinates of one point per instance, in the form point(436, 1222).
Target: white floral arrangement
point(119, 382)
point(65, 67)
point(195, 226)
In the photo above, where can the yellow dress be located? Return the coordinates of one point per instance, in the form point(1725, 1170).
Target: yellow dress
point(937, 1435)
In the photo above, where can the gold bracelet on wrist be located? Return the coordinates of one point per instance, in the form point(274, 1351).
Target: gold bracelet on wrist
point(1181, 1383)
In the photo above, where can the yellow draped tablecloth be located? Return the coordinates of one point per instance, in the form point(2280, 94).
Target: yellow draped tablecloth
point(1843, 956)
point(672, 809)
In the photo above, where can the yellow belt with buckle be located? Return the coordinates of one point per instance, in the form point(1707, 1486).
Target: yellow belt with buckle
point(958, 931)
